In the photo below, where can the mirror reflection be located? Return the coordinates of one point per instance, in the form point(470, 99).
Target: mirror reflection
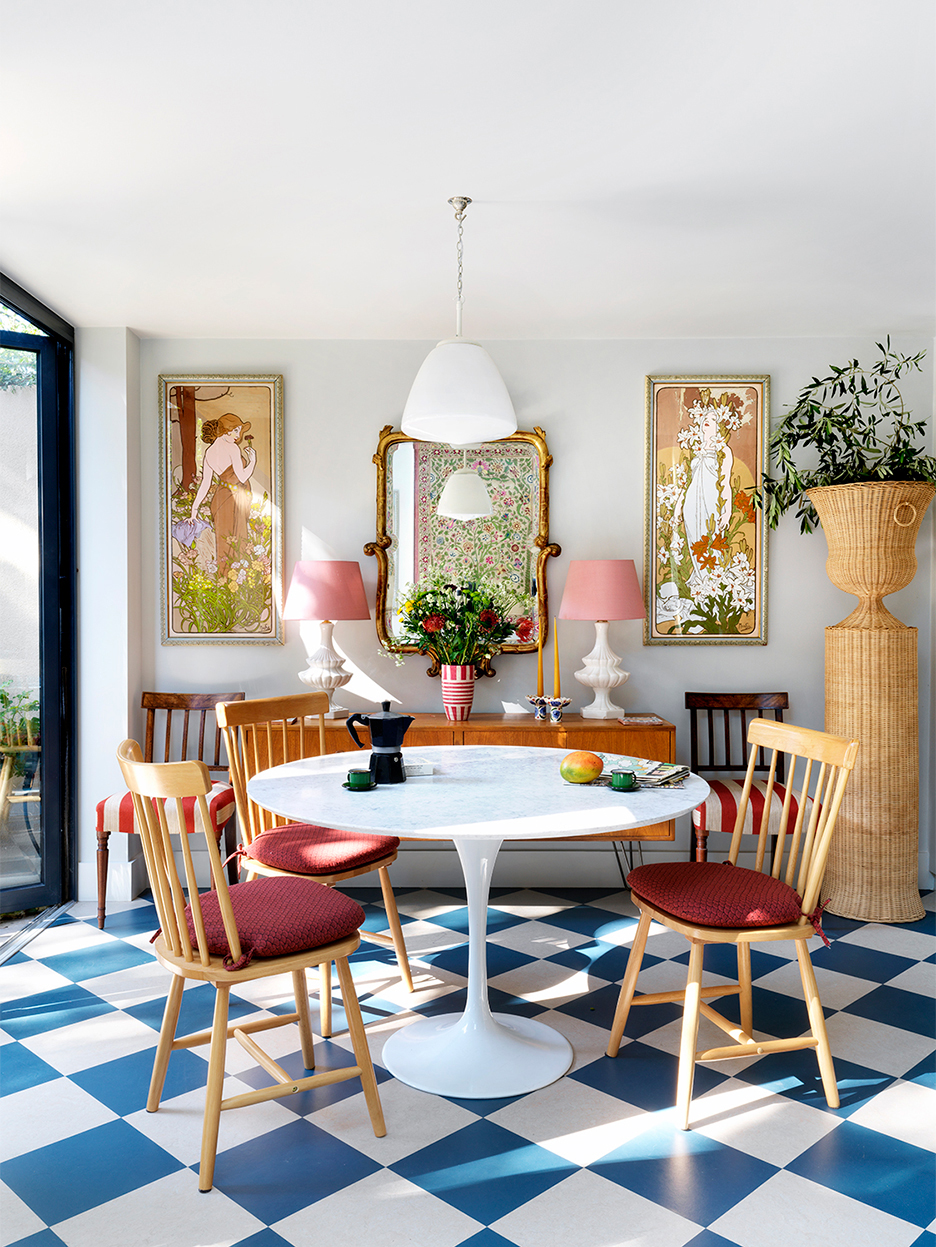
point(414, 542)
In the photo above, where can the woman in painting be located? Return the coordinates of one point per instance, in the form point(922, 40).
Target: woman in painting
point(231, 469)
point(707, 505)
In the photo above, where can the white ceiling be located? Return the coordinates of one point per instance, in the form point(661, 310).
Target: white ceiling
point(639, 168)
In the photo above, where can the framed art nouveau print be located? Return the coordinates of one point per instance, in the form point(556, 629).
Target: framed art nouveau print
point(705, 571)
point(221, 467)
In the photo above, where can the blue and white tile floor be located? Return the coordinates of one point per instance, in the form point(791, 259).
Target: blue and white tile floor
point(593, 1160)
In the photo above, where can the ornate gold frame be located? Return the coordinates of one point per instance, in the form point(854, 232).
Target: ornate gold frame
point(381, 545)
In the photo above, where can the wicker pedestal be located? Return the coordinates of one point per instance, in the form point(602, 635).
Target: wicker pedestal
point(871, 695)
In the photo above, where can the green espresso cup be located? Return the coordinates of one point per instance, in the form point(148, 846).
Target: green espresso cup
point(359, 779)
point(623, 781)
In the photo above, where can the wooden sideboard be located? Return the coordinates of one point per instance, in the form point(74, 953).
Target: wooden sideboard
point(640, 740)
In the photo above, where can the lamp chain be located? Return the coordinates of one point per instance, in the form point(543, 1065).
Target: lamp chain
point(459, 203)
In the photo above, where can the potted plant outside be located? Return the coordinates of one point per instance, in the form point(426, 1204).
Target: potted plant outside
point(869, 485)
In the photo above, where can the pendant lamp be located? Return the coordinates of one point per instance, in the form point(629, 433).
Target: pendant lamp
point(458, 396)
point(465, 495)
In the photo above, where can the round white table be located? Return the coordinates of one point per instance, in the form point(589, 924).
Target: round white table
point(478, 796)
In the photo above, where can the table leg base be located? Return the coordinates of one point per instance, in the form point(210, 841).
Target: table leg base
point(453, 1055)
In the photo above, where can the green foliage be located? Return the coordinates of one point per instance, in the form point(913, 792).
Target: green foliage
point(461, 623)
point(17, 369)
point(855, 421)
point(19, 724)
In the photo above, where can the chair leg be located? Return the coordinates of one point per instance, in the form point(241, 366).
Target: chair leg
point(701, 845)
point(396, 928)
point(359, 1044)
point(102, 859)
point(214, 1088)
point(301, 993)
point(690, 1034)
point(230, 844)
point(325, 1000)
point(629, 984)
point(744, 982)
point(164, 1047)
point(817, 1025)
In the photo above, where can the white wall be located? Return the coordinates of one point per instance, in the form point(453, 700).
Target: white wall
point(589, 399)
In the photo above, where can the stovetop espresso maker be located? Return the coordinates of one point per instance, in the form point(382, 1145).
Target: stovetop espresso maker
point(386, 732)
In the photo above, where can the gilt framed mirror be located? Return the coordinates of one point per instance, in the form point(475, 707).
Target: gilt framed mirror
point(510, 547)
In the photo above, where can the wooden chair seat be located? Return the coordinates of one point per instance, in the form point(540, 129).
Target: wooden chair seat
point(722, 903)
point(307, 849)
point(220, 938)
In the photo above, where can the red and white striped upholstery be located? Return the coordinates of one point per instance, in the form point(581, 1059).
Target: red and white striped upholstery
point(115, 813)
point(720, 808)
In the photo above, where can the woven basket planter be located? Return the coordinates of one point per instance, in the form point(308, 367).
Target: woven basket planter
point(871, 694)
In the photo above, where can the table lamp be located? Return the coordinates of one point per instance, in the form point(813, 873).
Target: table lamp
point(326, 590)
point(602, 589)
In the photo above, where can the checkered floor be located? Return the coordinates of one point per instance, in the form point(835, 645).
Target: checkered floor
point(593, 1160)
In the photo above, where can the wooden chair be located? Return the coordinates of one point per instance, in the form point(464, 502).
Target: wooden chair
point(723, 903)
point(227, 937)
point(720, 749)
point(173, 743)
point(266, 732)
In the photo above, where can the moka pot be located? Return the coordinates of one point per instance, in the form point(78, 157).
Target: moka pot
point(386, 732)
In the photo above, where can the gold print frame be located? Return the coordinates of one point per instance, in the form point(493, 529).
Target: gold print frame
point(705, 568)
point(411, 540)
point(221, 506)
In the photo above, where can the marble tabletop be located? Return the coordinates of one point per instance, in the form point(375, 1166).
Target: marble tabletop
point(476, 791)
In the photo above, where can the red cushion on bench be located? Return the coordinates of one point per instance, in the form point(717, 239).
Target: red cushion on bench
point(311, 850)
point(716, 894)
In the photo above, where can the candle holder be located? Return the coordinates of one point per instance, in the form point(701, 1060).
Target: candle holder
point(540, 706)
point(556, 706)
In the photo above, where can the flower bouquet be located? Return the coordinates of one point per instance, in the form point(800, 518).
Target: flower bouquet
point(461, 626)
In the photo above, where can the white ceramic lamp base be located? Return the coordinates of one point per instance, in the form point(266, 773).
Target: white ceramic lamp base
point(602, 671)
point(325, 672)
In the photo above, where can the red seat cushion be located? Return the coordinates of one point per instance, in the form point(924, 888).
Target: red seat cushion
point(720, 808)
point(115, 813)
point(277, 916)
point(311, 850)
point(716, 894)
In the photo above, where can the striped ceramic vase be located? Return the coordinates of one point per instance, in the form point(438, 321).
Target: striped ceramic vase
point(457, 689)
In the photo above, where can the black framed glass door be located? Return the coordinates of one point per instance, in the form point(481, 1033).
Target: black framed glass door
point(37, 596)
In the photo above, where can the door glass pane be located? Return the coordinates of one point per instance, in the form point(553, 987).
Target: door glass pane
point(20, 729)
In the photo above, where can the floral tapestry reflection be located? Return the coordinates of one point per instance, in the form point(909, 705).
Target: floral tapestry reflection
point(706, 558)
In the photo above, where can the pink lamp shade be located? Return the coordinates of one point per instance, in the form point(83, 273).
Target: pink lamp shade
point(602, 589)
point(326, 589)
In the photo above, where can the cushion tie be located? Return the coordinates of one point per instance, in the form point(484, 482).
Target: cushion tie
point(241, 963)
point(816, 919)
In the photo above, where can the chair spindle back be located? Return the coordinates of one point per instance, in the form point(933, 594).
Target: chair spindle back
point(807, 847)
point(265, 732)
point(153, 785)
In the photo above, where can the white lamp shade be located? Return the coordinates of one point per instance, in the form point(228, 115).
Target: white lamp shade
point(458, 397)
point(465, 496)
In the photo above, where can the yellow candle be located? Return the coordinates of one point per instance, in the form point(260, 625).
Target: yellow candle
point(556, 690)
point(539, 664)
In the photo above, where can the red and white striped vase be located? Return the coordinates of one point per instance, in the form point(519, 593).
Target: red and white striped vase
point(457, 689)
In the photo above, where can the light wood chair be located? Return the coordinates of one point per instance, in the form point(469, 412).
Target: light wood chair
point(718, 724)
point(723, 903)
point(266, 732)
point(173, 742)
point(227, 937)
